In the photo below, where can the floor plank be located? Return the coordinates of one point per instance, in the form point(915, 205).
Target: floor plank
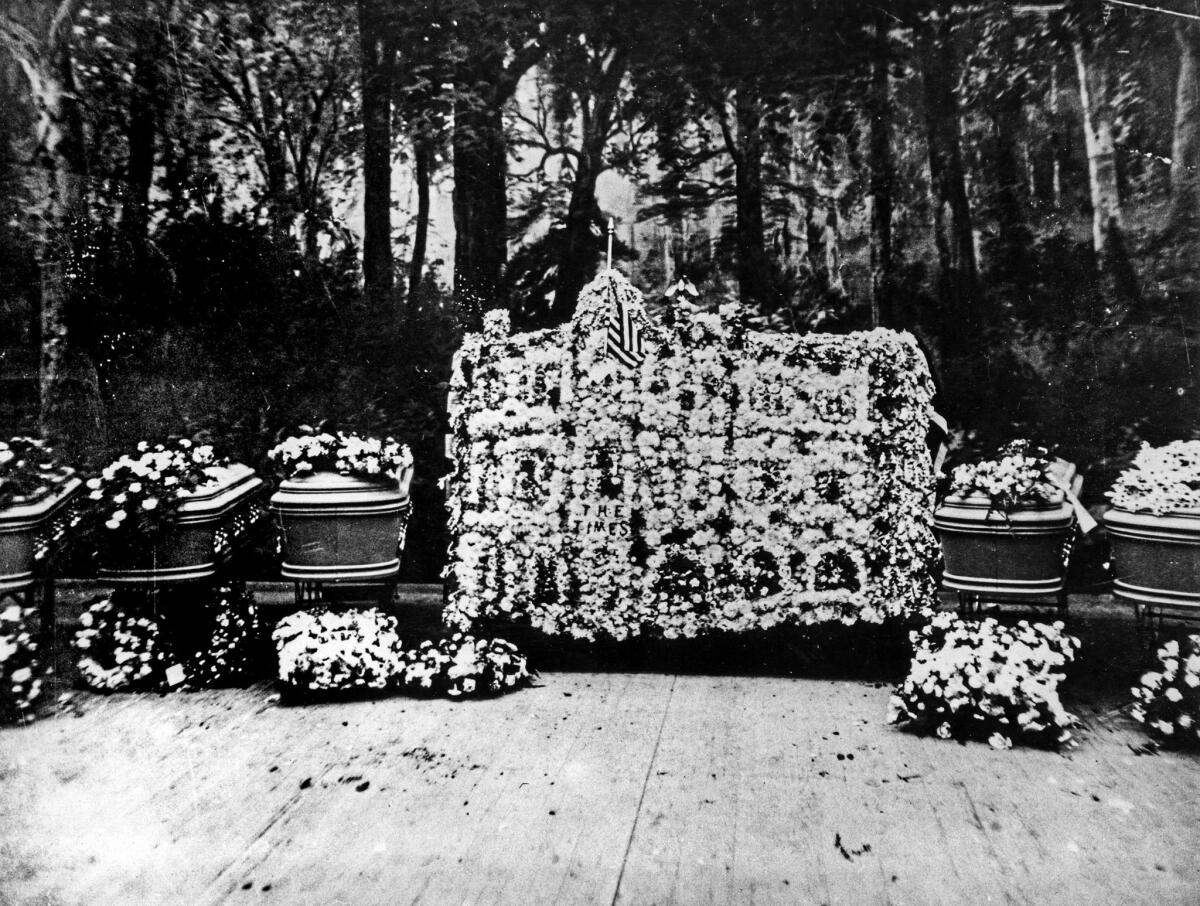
point(600, 786)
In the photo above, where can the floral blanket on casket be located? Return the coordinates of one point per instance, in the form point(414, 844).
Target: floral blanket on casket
point(614, 477)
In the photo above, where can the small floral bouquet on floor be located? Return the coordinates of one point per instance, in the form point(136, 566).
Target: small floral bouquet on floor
point(20, 672)
point(369, 458)
point(983, 680)
point(224, 640)
point(325, 650)
point(1161, 479)
point(136, 497)
point(1168, 699)
point(1021, 474)
point(28, 468)
point(462, 666)
point(119, 650)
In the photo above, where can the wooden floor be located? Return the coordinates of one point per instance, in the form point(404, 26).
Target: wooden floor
point(598, 786)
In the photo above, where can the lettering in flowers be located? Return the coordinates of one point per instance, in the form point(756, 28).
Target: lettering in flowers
point(732, 480)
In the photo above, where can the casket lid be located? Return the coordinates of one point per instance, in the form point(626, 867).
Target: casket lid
point(332, 493)
point(227, 487)
point(31, 511)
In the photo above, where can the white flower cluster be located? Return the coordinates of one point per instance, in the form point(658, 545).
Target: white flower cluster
point(137, 495)
point(118, 649)
point(1167, 700)
point(980, 679)
point(350, 454)
point(20, 671)
point(463, 666)
point(326, 650)
point(28, 467)
point(1019, 475)
point(733, 481)
point(1161, 479)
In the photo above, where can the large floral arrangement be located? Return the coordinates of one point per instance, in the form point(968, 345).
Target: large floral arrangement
point(119, 649)
point(372, 458)
point(136, 497)
point(1020, 474)
point(1161, 479)
point(223, 637)
point(330, 650)
point(732, 480)
point(1167, 700)
point(28, 467)
point(463, 666)
point(20, 671)
point(983, 680)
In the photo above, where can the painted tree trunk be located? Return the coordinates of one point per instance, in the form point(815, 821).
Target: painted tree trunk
point(43, 129)
point(1010, 193)
point(480, 201)
point(953, 233)
point(423, 171)
point(1185, 145)
point(1101, 151)
point(753, 274)
point(883, 177)
point(141, 134)
point(581, 247)
point(376, 53)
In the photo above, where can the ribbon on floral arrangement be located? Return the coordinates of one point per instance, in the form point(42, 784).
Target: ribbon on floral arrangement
point(624, 335)
point(1071, 490)
point(935, 439)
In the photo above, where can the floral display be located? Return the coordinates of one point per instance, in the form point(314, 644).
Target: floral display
point(1161, 479)
point(136, 497)
point(119, 649)
point(983, 680)
point(20, 671)
point(463, 666)
point(1020, 474)
point(732, 480)
point(1167, 700)
point(383, 460)
point(223, 638)
point(28, 467)
point(325, 650)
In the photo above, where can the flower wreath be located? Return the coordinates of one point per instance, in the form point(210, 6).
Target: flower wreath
point(118, 650)
point(20, 671)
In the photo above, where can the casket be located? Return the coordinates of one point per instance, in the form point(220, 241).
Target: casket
point(26, 526)
point(340, 528)
point(207, 526)
point(1019, 553)
point(1156, 559)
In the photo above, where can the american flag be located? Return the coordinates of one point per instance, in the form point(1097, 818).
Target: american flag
point(624, 335)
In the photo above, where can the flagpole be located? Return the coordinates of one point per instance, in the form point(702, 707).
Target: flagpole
point(611, 229)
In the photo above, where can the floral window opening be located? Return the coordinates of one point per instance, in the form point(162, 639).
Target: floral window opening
point(733, 480)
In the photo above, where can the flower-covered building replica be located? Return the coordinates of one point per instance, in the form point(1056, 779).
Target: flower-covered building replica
point(613, 477)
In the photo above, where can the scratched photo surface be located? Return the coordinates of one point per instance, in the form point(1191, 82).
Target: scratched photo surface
point(608, 364)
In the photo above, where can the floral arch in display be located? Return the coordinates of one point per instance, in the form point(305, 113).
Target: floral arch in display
point(615, 477)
